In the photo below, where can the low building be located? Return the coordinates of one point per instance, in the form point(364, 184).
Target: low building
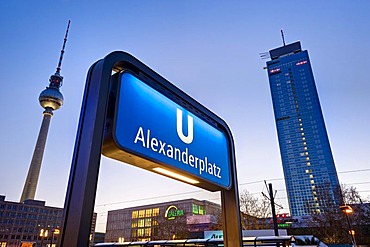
point(99, 237)
point(31, 222)
point(168, 220)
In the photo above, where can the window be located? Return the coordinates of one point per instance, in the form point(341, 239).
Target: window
point(155, 211)
point(135, 214)
point(202, 211)
point(148, 213)
point(140, 223)
point(141, 213)
point(195, 209)
point(140, 232)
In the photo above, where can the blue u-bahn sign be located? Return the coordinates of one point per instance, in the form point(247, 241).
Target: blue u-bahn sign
point(156, 133)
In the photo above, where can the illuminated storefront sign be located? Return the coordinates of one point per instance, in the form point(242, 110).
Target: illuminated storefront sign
point(172, 140)
point(284, 225)
point(213, 234)
point(172, 212)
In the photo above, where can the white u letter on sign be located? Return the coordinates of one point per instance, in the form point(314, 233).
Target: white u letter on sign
point(187, 139)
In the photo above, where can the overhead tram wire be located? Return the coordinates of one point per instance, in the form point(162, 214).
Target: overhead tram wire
point(351, 171)
point(149, 198)
point(184, 193)
point(240, 184)
point(261, 181)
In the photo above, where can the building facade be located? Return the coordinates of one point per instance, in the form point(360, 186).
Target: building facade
point(309, 170)
point(168, 220)
point(31, 223)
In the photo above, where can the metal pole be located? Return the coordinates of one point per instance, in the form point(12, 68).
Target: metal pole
point(350, 231)
point(51, 240)
point(276, 230)
point(80, 198)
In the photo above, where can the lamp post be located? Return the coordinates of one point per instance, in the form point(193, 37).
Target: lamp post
point(348, 210)
point(43, 234)
point(53, 232)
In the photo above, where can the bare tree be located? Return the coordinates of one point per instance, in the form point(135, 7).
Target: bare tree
point(331, 226)
point(254, 211)
point(172, 229)
point(351, 195)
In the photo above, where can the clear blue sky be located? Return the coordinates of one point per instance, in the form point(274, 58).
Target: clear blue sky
point(209, 49)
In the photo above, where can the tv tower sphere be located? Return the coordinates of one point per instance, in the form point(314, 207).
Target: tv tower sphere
point(51, 97)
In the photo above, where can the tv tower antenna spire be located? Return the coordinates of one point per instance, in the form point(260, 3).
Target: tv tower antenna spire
point(62, 51)
point(282, 36)
point(50, 99)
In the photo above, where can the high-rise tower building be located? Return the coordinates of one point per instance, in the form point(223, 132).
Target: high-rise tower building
point(309, 170)
point(50, 99)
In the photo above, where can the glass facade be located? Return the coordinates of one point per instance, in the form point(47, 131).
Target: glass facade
point(309, 170)
point(168, 220)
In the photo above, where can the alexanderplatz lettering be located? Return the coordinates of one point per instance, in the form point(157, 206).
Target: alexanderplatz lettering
point(132, 114)
point(175, 153)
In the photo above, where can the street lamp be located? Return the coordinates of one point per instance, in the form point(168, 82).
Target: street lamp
point(348, 210)
point(53, 232)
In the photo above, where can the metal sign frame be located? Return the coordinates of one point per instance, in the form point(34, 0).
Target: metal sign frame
point(144, 109)
point(83, 179)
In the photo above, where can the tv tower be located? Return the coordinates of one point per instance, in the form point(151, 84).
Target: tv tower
point(50, 99)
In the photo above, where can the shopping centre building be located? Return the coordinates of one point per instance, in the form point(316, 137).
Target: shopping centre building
point(168, 220)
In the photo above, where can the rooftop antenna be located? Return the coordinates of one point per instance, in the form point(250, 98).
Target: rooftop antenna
point(62, 51)
point(282, 36)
